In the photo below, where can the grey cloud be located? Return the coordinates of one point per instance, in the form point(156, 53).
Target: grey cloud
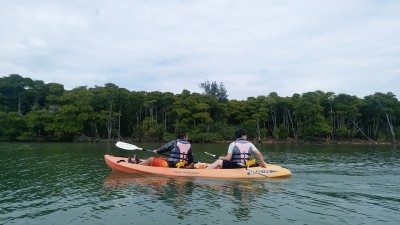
point(253, 47)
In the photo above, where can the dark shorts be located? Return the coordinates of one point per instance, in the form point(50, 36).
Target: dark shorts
point(229, 165)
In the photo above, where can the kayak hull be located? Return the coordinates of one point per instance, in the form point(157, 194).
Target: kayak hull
point(121, 164)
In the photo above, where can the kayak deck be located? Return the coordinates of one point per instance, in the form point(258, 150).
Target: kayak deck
point(121, 164)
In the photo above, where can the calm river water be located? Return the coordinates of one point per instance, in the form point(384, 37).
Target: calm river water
point(69, 183)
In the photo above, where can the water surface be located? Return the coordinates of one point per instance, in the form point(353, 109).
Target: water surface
point(69, 183)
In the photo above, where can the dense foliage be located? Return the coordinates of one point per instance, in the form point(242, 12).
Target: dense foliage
point(33, 110)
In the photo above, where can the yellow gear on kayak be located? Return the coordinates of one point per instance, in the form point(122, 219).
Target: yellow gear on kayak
point(251, 162)
point(180, 164)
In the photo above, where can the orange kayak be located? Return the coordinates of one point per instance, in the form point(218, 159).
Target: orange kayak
point(121, 164)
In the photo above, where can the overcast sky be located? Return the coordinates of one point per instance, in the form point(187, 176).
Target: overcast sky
point(252, 47)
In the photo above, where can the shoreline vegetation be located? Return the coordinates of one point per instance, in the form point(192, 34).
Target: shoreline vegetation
point(270, 140)
point(309, 141)
point(31, 110)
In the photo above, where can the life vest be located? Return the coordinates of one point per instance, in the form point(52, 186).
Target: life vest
point(180, 151)
point(241, 151)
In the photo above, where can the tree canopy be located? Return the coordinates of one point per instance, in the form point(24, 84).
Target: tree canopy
point(32, 110)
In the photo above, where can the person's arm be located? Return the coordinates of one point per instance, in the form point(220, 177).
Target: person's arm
point(190, 156)
point(260, 157)
point(165, 148)
point(228, 157)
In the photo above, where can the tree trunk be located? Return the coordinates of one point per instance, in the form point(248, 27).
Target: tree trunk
point(258, 131)
point(291, 121)
point(391, 127)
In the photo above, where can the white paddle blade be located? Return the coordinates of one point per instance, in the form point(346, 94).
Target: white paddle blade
point(127, 146)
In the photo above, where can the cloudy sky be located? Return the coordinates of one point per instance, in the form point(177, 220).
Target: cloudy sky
point(254, 47)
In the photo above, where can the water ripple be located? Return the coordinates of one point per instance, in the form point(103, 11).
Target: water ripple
point(70, 184)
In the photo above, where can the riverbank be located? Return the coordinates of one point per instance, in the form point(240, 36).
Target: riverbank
point(306, 141)
point(311, 141)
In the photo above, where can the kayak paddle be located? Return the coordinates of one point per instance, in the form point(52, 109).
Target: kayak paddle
point(215, 156)
point(128, 146)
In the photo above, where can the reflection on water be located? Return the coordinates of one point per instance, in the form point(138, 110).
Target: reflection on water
point(236, 197)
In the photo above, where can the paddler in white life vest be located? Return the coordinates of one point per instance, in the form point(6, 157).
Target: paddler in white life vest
point(239, 151)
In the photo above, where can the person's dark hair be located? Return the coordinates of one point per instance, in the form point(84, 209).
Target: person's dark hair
point(239, 133)
point(182, 135)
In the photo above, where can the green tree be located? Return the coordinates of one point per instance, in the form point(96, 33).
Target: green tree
point(345, 114)
point(309, 115)
point(37, 121)
point(12, 125)
point(386, 106)
point(13, 91)
point(108, 103)
point(216, 90)
point(237, 112)
point(281, 131)
point(258, 109)
point(180, 111)
point(74, 113)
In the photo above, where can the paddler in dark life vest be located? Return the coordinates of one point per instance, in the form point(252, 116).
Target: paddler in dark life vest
point(179, 150)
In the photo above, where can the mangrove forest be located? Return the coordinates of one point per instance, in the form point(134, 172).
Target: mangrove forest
point(32, 110)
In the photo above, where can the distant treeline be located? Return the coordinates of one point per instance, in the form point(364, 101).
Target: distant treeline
point(32, 110)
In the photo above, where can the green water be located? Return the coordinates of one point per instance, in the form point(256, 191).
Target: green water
point(68, 183)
